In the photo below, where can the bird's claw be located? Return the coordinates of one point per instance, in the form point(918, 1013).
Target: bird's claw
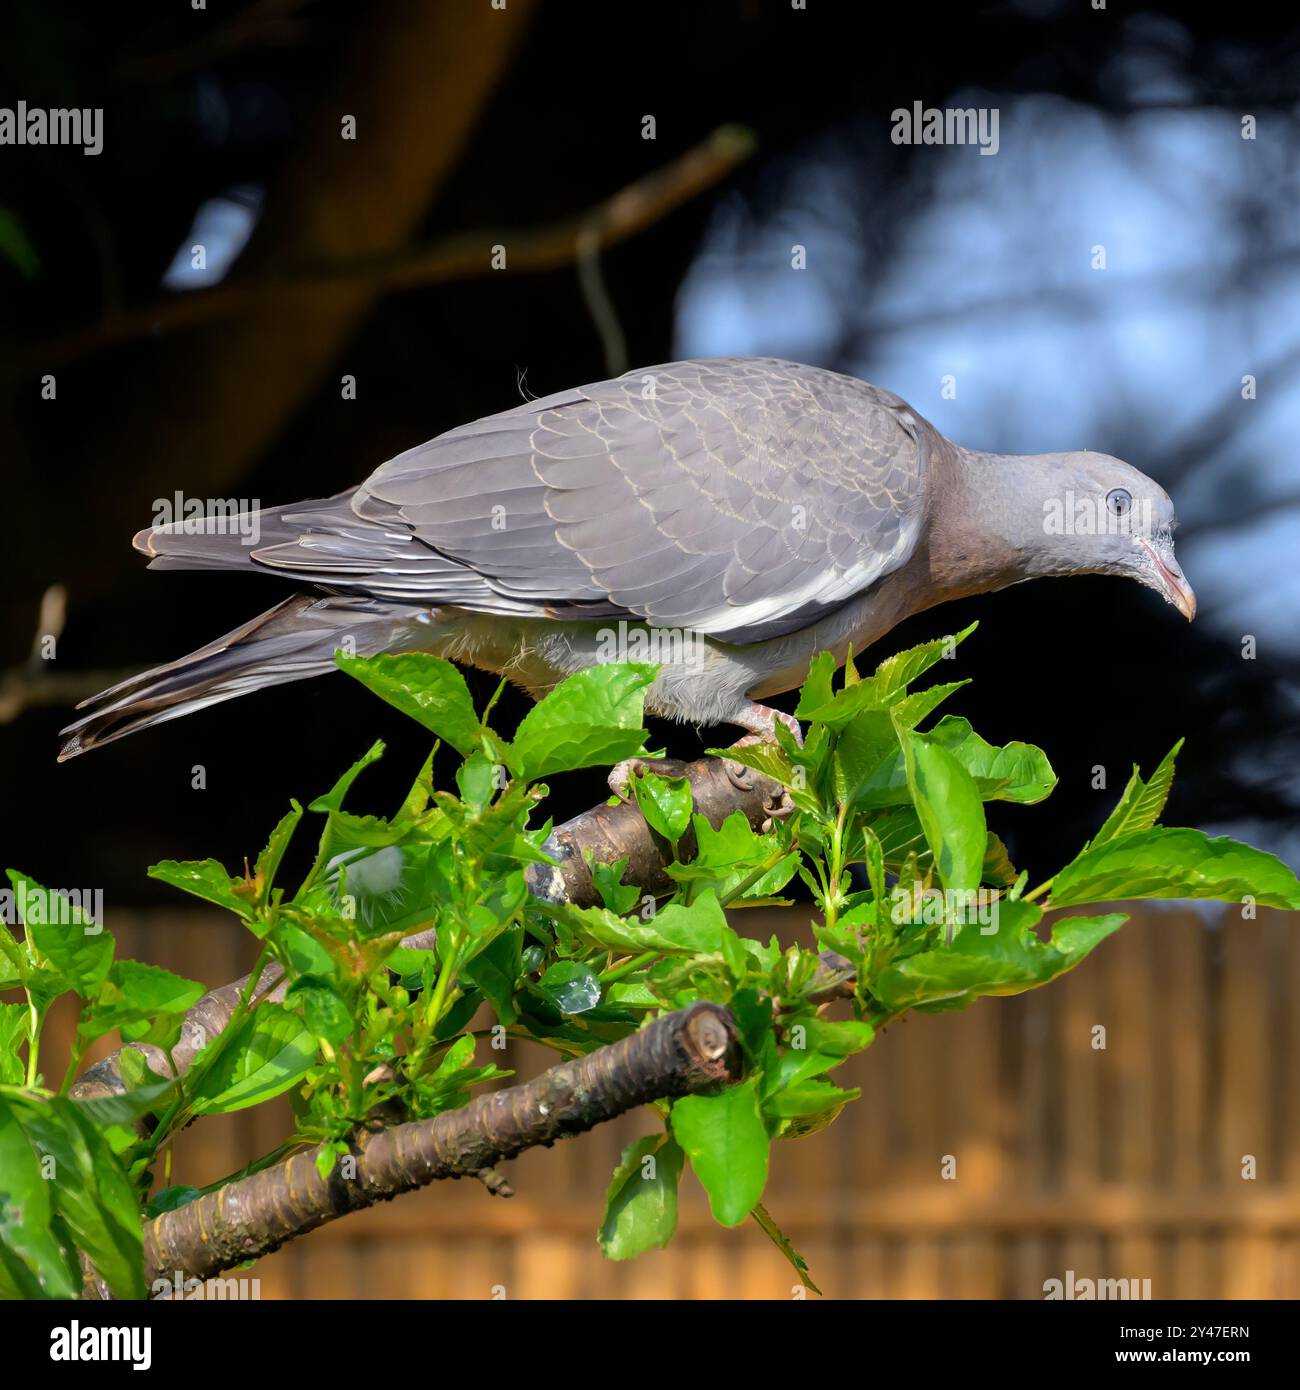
point(621, 774)
point(778, 807)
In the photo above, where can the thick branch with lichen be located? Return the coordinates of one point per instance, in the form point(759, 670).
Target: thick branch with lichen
point(677, 1054)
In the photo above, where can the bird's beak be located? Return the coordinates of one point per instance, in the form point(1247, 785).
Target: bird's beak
point(1173, 582)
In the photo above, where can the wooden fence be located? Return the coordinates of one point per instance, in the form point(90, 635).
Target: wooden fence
point(1164, 1147)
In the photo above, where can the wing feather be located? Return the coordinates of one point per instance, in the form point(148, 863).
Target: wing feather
point(743, 497)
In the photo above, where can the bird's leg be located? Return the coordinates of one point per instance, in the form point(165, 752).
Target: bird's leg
point(762, 721)
point(759, 719)
point(621, 774)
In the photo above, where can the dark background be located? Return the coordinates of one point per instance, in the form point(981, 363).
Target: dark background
point(494, 124)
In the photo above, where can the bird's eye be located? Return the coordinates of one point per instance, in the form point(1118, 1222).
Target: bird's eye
point(1120, 501)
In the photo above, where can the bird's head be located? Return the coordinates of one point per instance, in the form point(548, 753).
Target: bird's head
point(1086, 513)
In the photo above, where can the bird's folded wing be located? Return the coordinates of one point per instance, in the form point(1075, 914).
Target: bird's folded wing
point(742, 498)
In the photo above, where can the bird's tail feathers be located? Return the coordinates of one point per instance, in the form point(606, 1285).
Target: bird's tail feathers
point(292, 641)
point(226, 539)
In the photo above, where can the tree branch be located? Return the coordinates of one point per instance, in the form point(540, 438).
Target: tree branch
point(677, 1054)
point(630, 210)
point(609, 833)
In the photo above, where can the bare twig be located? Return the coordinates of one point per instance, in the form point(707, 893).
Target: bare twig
point(36, 682)
point(630, 210)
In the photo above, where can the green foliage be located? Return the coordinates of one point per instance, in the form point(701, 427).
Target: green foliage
point(914, 894)
point(641, 1201)
point(727, 1142)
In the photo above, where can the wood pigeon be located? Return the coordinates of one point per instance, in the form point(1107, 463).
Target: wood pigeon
point(728, 517)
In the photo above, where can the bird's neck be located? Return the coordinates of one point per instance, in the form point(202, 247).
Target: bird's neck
point(976, 537)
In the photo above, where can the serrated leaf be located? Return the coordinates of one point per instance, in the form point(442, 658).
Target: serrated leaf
point(729, 855)
point(262, 1057)
point(998, 869)
point(268, 862)
point(949, 809)
point(76, 946)
point(591, 719)
point(1175, 862)
point(778, 1238)
point(91, 1193)
point(1142, 802)
point(886, 688)
point(332, 800)
point(664, 802)
point(617, 896)
point(432, 691)
point(136, 993)
point(324, 1010)
point(495, 971)
point(1008, 959)
point(694, 929)
point(206, 879)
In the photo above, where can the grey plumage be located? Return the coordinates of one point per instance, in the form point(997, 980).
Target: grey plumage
point(763, 507)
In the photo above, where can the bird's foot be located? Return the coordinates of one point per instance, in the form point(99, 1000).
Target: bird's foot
point(778, 807)
point(761, 722)
point(621, 774)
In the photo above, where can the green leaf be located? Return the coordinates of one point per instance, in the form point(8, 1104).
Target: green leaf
point(417, 799)
point(771, 760)
point(448, 1086)
point(205, 879)
point(15, 1029)
point(641, 1201)
point(125, 1109)
point(268, 862)
point(1175, 862)
point(665, 802)
point(263, 1056)
point(678, 929)
point(949, 808)
point(778, 1238)
point(727, 1143)
point(324, 1010)
point(729, 855)
point(998, 868)
point(78, 948)
point(171, 1199)
point(495, 971)
point(34, 1263)
point(592, 718)
point(332, 800)
point(887, 687)
point(136, 994)
point(617, 896)
point(432, 691)
point(1018, 772)
point(897, 672)
point(570, 987)
point(1140, 806)
point(809, 1098)
point(91, 1193)
point(1007, 960)
point(837, 1037)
